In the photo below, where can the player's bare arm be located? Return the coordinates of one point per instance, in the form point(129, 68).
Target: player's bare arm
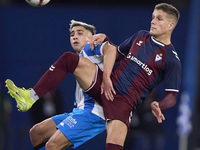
point(168, 102)
point(85, 72)
point(109, 52)
point(96, 39)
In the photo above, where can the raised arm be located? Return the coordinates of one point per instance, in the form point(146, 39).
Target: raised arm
point(99, 38)
point(109, 53)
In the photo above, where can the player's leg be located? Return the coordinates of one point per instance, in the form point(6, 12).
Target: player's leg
point(118, 120)
point(42, 131)
point(58, 141)
point(77, 127)
point(85, 72)
point(116, 134)
point(83, 69)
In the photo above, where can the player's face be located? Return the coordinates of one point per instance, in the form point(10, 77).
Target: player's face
point(159, 23)
point(79, 37)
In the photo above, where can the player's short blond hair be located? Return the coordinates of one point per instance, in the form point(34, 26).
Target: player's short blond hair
point(89, 27)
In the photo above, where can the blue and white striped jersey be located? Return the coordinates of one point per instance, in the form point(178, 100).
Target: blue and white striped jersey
point(82, 100)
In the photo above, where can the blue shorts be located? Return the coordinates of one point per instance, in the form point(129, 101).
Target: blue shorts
point(79, 126)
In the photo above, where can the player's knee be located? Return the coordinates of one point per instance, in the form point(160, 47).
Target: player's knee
point(57, 144)
point(34, 130)
point(70, 61)
point(51, 144)
point(34, 134)
point(116, 132)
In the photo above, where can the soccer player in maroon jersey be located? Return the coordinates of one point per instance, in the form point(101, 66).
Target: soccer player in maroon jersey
point(147, 58)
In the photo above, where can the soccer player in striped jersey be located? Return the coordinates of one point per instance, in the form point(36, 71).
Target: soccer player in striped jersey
point(147, 59)
point(85, 121)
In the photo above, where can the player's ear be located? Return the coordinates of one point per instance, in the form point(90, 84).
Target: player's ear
point(171, 26)
point(89, 35)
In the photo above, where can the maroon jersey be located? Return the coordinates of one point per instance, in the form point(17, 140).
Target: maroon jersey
point(146, 63)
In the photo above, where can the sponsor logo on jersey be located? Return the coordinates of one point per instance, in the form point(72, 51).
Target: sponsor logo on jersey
point(158, 57)
point(141, 64)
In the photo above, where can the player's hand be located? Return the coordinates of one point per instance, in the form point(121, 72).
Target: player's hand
point(96, 39)
point(107, 89)
point(157, 112)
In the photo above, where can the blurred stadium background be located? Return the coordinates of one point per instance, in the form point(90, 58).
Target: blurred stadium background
point(31, 39)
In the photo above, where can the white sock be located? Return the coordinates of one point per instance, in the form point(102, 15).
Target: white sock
point(33, 95)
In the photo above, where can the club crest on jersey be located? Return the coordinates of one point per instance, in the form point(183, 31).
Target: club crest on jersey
point(158, 57)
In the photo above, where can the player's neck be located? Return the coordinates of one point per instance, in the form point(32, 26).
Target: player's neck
point(163, 39)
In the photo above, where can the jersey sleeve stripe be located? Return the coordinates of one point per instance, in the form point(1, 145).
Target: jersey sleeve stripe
point(172, 90)
point(101, 49)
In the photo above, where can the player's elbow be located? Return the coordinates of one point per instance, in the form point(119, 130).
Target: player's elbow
point(169, 101)
point(173, 102)
point(113, 49)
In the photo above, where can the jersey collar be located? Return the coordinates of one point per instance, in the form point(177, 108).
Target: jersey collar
point(161, 44)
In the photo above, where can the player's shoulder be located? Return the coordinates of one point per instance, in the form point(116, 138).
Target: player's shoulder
point(172, 51)
point(172, 55)
point(87, 49)
point(89, 52)
point(87, 46)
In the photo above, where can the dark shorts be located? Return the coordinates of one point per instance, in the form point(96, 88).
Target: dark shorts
point(95, 89)
point(118, 109)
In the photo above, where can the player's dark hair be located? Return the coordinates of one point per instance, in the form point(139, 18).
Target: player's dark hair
point(89, 27)
point(169, 9)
